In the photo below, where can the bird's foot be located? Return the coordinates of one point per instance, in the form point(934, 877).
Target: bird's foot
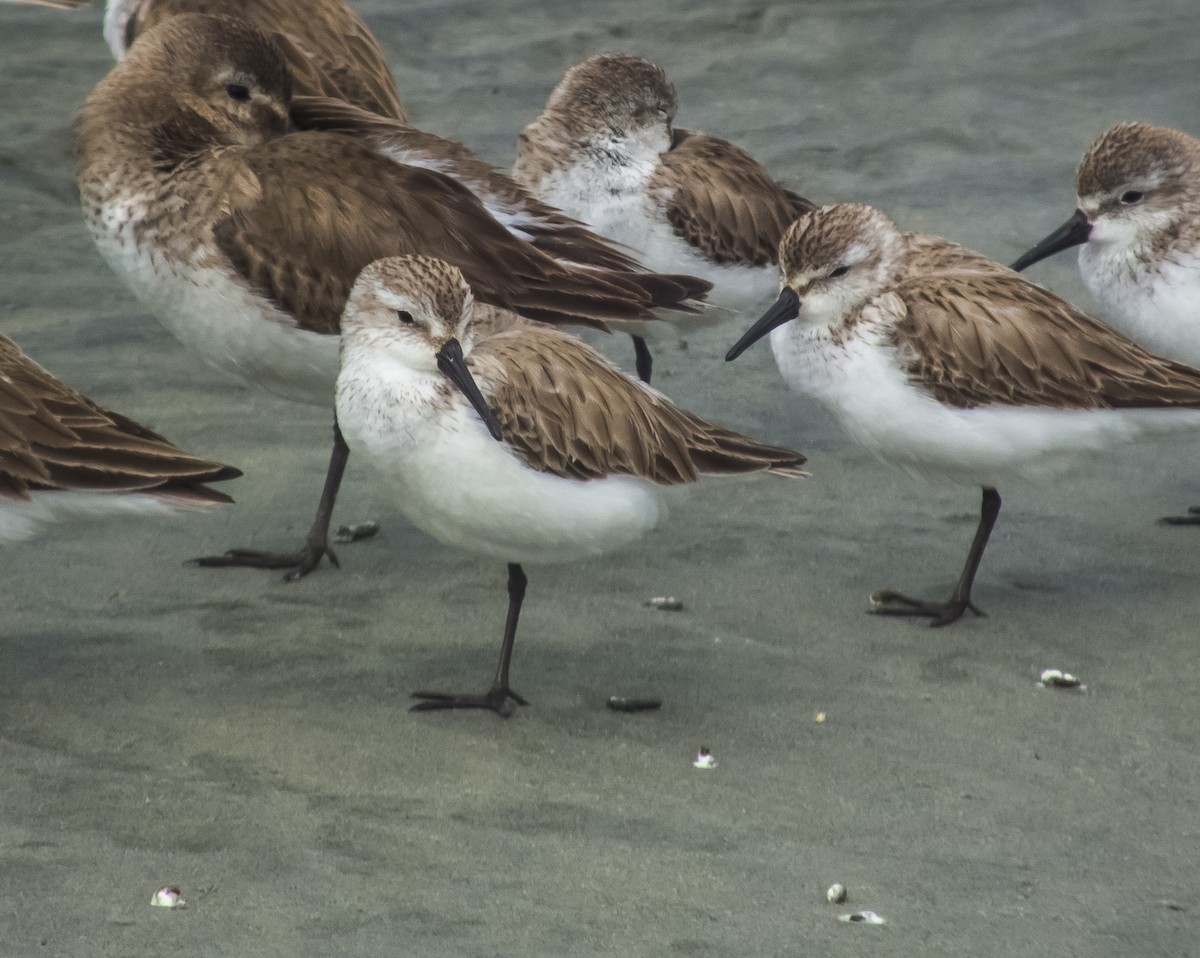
point(1191, 519)
point(299, 563)
point(496, 699)
point(891, 602)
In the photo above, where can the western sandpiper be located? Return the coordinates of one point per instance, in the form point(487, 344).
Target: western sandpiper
point(1138, 228)
point(955, 370)
point(524, 444)
point(245, 238)
point(63, 457)
point(604, 151)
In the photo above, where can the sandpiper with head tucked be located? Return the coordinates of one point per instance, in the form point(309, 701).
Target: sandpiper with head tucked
point(1138, 229)
point(604, 151)
point(62, 457)
point(522, 444)
point(329, 49)
point(934, 362)
point(244, 238)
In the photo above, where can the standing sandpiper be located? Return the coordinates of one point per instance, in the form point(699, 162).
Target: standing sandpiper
point(522, 444)
point(953, 370)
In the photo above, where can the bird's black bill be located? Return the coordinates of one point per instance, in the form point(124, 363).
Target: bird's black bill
point(1073, 232)
point(786, 308)
point(450, 361)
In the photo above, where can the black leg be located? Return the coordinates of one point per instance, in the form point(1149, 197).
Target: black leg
point(496, 698)
point(890, 602)
point(644, 361)
point(301, 562)
point(1192, 518)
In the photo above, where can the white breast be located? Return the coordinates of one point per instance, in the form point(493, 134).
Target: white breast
point(1157, 308)
point(210, 310)
point(452, 479)
point(616, 202)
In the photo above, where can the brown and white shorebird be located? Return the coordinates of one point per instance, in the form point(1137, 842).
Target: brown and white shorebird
point(1137, 227)
point(933, 362)
point(605, 151)
point(523, 444)
point(244, 239)
point(62, 457)
point(329, 49)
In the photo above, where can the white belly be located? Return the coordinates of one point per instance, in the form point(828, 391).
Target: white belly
point(456, 482)
point(630, 218)
point(22, 519)
point(870, 396)
point(1160, 311)
point(209, 311)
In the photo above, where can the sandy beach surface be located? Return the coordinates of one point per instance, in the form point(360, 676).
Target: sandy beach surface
point(250, 742)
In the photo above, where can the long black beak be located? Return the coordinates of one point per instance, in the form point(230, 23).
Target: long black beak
point(786, 308)
point(1073, 232)
point(450, 361)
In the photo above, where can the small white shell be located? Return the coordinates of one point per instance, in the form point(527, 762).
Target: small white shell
point(167, 897)
point(664, 603)
point(863, 918)
point(1058, 679)
point(704, 759)
point(836, 893)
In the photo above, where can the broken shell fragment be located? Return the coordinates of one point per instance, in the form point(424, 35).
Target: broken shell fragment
point(836, 893)
point(619, 703)
point(819, 718)
point(664, 603)
point(863, 918)
point(1058, 679)
point(167, 897)
point(704, 759)
point(364, 530)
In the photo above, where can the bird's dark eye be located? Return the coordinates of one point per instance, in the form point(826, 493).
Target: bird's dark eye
point(405, 316)
point(840, 271)
point(1129, 197)
point(238, 92)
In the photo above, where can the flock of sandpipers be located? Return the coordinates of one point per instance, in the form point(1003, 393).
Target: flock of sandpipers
point(248, 170)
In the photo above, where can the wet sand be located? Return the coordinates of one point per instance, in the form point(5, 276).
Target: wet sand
point(249, 740)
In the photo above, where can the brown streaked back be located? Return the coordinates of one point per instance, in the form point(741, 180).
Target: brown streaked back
point(326, 205)
point(549, 229)
point(975, 340)
point(567, 411)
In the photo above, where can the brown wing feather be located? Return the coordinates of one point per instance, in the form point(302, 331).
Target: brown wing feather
point(982, 340)
point(547, 228)
point(329, 48)
point(723, 202)
point(568, 411)
point(326, 205)
point(51, 437)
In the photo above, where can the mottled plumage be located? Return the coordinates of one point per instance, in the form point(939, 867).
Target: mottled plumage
point(522, 444)
point(936, 359)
